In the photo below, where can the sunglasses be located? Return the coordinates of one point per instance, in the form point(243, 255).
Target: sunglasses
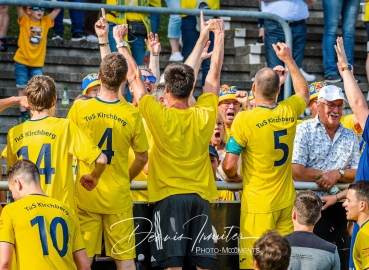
point(151, 78)
point(38, 8)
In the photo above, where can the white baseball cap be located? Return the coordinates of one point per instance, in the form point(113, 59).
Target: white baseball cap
point(331, 93)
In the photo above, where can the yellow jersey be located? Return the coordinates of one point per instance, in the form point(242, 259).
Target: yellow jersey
point(32, 41)
point(179, 160)
point(366, 13)
point(114, 127)
point(266, 136)
point(44, 232)
point(141, 195)
point(51, 144)
point(360, 253)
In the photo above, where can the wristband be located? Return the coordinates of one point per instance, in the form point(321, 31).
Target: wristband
point(154, 54)
point(104, 44)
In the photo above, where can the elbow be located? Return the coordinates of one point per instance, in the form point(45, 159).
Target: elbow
point(295, 174)
point(143, 158)
point(102, 159)
point(227, 168)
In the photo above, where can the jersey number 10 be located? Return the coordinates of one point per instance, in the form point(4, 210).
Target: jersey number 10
point(40, 221)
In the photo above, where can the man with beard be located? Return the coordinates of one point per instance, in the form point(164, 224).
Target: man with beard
point(325, 151)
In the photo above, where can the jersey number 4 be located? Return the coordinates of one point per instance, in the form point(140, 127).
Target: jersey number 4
point(108, 137)
point(44, 155)
point(40, 221)
point(281, 146)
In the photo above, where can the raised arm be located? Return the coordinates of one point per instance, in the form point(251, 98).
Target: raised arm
point(353, 93)
point(55, 12)
point(20, 10)
point(197, 55)
point(154, 46)
point(212, 82)
point(102, 31)
point(7, 102)
point(299, 83)
point(134, 73)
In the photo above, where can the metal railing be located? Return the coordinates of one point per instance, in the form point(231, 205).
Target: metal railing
point(142, 185)
point(139, 9)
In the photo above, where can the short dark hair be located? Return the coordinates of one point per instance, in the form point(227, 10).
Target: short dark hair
point(179, 78)
point(308, 207)
point(24, 168)
point(82, 97)
point(267, 83)
point(41, 92)
point(113, 71)
point(361, 188)
point(159, 91)
point(272, 252)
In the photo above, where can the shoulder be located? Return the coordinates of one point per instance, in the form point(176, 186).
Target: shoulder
point(207, 99)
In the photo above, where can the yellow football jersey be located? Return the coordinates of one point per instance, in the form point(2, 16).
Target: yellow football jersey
point(44, 231)
point(51, 143)
point(141, 195)
point(114, 127)
point(267, 136)
point(361, 248)
point(179, 160)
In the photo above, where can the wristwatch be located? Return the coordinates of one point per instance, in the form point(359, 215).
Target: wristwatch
point(122, 44)
point(348, 67)
point(342, 173)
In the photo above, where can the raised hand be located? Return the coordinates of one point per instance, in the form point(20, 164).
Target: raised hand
point(341, 56)
point(243, 98)
point(153, 43)
point(216, 25)
point(282, 73)
point(102, 27)
point(119, 32)
point(283, 51)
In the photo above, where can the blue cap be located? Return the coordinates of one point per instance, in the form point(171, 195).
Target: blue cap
point(89, 81)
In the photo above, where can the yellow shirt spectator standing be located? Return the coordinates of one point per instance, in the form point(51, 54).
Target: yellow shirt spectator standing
point(30, 56)
point(265, 136)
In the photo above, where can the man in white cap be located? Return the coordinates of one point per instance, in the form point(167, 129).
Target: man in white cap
point(324, 151)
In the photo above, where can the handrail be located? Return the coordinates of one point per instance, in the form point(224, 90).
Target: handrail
point(139, 9)
point(142, 185)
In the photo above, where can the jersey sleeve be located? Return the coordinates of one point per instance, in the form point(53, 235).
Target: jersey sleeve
point(139, 142)
point(24, 19)
point(300, 147)
point(10, 155)
point(237, 130)
point(7, 233)
point(48, 21)
point(81, 146)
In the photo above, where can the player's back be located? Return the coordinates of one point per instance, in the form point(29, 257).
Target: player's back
point(268, 134)
point(50, 143)
point(114, 127)
point(44, 231)
point(179, 160)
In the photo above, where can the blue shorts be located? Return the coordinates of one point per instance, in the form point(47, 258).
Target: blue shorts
point(23, 74)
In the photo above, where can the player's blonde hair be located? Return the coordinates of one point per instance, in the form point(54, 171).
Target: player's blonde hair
point(41, 93)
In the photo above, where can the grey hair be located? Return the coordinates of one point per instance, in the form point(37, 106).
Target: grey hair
point(146, 68)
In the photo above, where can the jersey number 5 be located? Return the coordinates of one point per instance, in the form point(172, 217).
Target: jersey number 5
point(40, 220)
point(45, 155)
point(108, 137)
point(281, 146)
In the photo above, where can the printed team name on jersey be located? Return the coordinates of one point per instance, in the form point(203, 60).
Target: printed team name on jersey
point(275, 120)
point(35, 133)
point(49, 205)
point(105, 115)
